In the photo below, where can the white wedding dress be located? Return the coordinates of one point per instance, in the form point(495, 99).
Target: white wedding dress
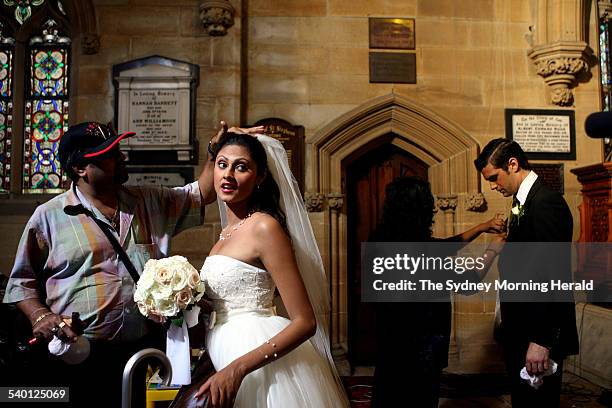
point(245, 318)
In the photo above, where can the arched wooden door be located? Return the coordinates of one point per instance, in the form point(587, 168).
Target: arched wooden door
point(366, 178)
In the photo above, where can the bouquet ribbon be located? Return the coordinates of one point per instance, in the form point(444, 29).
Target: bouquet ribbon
point(177, 347)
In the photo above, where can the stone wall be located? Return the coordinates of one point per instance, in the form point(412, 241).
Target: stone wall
point(135, 29)
point(308, 64)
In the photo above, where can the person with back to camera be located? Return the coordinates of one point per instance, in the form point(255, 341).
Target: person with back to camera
point(264, 360)
point(413, 337)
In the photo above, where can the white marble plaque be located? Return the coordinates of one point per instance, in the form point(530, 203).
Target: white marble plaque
point(155, 99)
point(154, 116)
point(542, 133)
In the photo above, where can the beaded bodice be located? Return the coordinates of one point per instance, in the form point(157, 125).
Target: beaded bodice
point(235, 285)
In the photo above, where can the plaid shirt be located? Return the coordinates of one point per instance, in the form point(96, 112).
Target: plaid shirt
point(67, 259)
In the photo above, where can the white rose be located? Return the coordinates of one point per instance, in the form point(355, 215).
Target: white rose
point(179, 280)
point(193, 280)
point(146, 280)
point(164, 275)
point(145, 306)
point(144, 310)
point(139, 295)
point(162, 292)
point(200, 291)
point(183, 298)
point(515, 210)
point(166, 307)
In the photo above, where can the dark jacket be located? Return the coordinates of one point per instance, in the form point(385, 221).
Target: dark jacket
point(546, 218)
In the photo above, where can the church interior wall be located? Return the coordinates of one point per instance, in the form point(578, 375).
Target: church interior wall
point(308, 64)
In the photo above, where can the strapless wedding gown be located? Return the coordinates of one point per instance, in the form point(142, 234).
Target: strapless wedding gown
point(245, 318)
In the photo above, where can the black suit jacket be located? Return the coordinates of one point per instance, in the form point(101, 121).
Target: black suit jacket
point(546, 218)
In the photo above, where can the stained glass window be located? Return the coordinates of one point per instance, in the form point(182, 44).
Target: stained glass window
point(46, 111)
point(605, 26)
point(7, 49)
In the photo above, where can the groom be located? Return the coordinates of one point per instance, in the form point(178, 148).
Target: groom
point(533, 334)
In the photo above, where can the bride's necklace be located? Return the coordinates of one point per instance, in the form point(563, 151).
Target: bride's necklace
point(234, 228)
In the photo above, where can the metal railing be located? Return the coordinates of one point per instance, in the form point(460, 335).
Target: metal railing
point(133, 362)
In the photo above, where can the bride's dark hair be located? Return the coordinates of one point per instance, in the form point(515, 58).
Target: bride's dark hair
point(266, 196)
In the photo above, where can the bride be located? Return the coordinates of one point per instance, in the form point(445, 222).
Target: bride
point(264, 360)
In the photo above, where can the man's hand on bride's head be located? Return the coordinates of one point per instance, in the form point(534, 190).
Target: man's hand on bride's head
point(247, 131)
point(235, 129)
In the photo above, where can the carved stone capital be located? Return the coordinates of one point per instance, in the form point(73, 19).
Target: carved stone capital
point(90, 43)
point(605, 8)
point(335, 201)
point(447, 202)
point(217, 16)
point(560, 64)
point(475, 202)
point(314, 201)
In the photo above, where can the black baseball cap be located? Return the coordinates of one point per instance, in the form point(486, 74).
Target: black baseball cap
point(87, 140)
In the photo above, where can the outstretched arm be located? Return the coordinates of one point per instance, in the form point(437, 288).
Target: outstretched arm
point(496, 224)
point(276, 253)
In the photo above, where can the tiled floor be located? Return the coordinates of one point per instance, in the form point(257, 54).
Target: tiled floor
point(470, 392)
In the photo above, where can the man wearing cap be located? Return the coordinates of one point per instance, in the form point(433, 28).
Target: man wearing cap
point(542, 331)
point(66, 262)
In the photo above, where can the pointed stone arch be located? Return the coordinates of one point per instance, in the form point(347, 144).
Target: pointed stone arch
point(444, 146)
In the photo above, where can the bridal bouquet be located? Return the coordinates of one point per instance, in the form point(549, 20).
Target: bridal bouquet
point(167, 287)
point(171, 287)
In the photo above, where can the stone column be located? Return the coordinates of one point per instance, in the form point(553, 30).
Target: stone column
point(560, 51)
point(335, 202)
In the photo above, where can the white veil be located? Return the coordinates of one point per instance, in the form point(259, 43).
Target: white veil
point(305, 247)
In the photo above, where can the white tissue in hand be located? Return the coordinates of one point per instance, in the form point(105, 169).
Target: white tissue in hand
point(537, 380)
point(71, 353)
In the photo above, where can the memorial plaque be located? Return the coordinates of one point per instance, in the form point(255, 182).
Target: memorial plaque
point(154, 116)
point(392, 67)
point(551, 174)
point(292, 138)
point(543, 134)
point(155, 97)
point(394, 33)
point(159, 176)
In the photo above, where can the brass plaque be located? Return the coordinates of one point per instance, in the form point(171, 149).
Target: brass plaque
point(394, 33)
point(293, 140)
point(392, 67)
point(551, 174)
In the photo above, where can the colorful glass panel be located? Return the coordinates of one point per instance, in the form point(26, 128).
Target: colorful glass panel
point(23, 8)
point(45, 123)
point(6, 72)
point(49, 73)
point(605, 28)
point(6, 136)
point(6, 116)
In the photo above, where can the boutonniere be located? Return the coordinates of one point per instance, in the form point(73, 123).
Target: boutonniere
point(517, 212)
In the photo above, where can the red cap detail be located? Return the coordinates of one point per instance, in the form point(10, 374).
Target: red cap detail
point(110, 146)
